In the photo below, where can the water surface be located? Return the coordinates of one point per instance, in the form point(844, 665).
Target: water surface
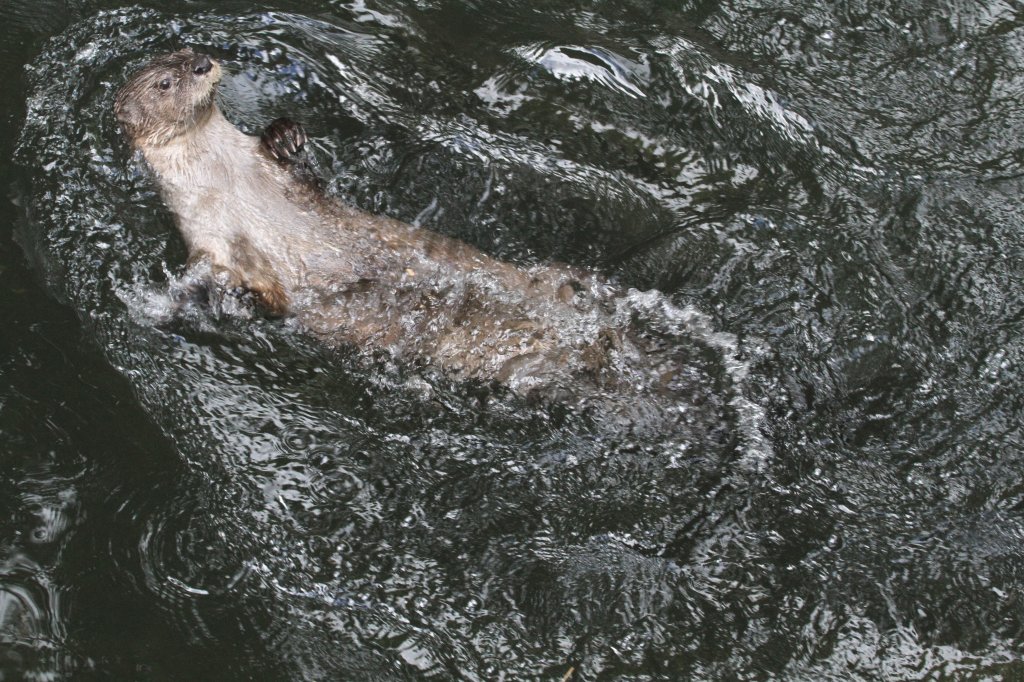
point(826, 200)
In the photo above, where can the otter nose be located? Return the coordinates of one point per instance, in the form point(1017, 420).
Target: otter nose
point(202, 65)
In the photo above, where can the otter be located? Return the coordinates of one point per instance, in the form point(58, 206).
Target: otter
point(253, 221)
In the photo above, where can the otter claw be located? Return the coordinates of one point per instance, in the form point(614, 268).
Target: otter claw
point(283, 139)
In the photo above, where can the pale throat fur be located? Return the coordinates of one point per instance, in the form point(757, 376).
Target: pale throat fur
point(231, 203)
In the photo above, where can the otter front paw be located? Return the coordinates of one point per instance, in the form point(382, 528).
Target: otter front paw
point(283, 139)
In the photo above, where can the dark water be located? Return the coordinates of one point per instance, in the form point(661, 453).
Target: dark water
point(827, 195)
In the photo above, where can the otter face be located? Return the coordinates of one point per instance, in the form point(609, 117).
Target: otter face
point(167, 98)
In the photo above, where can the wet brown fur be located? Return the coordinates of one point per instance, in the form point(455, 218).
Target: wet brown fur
point(348, 276)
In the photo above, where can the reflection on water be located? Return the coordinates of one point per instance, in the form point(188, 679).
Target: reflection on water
point(825, 198)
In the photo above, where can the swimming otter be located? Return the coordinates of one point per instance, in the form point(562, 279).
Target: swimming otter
point(347, 276)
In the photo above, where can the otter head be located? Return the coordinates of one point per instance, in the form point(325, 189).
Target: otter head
point(167, 98)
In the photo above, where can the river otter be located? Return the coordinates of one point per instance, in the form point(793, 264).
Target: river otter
point(350, 277)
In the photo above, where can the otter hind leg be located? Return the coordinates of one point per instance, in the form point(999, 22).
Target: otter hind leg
point(252, 270)
point(272, 298)
point(284, 139)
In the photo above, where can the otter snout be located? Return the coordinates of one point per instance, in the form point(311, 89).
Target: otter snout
point(202, 65)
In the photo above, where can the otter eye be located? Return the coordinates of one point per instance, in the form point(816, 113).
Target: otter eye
point(165, 84)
